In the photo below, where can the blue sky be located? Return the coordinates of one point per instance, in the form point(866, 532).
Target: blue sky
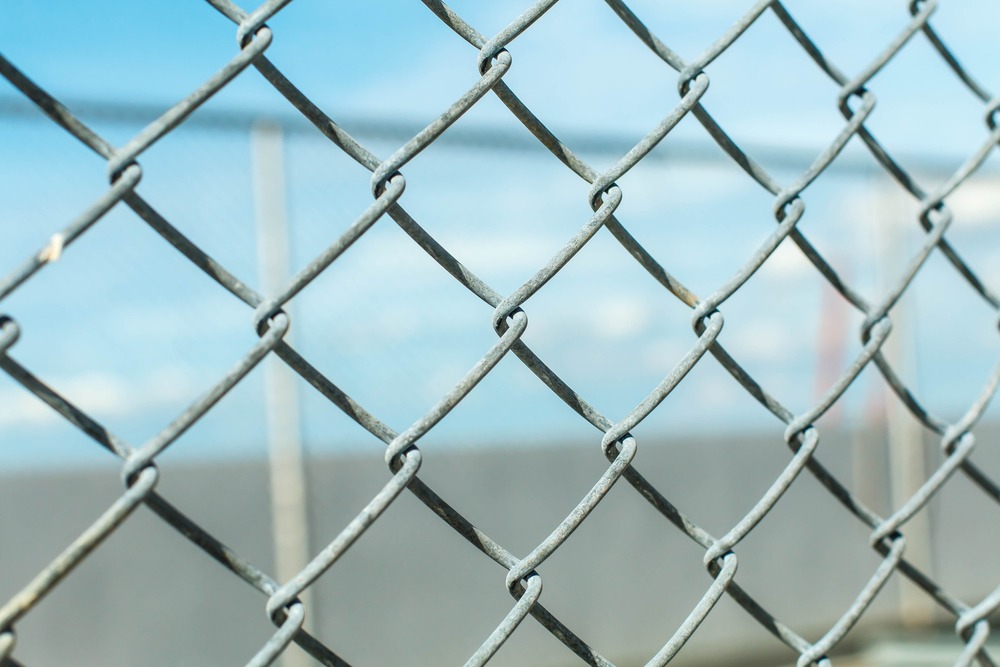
point(134, 333)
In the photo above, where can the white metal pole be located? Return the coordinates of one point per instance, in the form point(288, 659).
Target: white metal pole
point(904, 435)
point(289, 508)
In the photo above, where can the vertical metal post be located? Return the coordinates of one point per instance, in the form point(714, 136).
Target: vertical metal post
point(904, 436)
point(289, 509)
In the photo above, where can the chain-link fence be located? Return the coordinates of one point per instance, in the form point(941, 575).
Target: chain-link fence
point(507, 313)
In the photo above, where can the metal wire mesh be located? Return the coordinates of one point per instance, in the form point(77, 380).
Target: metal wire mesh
point(509, 319)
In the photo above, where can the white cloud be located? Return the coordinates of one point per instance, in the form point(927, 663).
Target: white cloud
point(787, 261)
point(667, 352)
point(976, 204)
point(102, 395)
point(618, 317)
point(214, 311)
point(763, 341)
point(509, 253)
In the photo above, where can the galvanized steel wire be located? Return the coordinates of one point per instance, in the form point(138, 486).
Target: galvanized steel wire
point(492, 56)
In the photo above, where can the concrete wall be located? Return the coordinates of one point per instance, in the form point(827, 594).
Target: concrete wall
point(413, 592)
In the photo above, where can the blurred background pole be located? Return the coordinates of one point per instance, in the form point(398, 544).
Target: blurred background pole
point(289, 510)
point(904, 435)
